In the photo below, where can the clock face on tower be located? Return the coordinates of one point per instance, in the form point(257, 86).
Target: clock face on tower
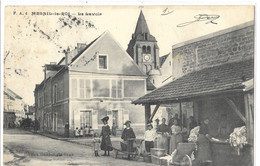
point(147, 57)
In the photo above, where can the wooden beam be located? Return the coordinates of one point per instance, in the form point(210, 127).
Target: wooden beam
point(234, 108)
point(154, 112)
point(147, 114)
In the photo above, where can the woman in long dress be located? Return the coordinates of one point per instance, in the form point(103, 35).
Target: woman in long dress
point(203, 142)
point(176, 136)
point(106, 144)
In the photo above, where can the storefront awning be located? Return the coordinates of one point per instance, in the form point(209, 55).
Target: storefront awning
point(207, 81)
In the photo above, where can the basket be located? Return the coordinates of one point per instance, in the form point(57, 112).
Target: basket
point(156, 160)
point(157, 152)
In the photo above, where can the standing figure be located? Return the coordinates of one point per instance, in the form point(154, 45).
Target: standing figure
point(203, 142)
point(149, 137)
point(114, 127)
point(127, 135)
point(96, 144)
point(66, 132)
point(192, 123)
point(162, 137)
point(176, 136)
point(106, 144)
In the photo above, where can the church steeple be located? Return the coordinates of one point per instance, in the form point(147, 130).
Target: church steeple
point(141, 26)
point(143, 46)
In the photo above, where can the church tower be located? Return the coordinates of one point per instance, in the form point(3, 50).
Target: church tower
point(143, 47)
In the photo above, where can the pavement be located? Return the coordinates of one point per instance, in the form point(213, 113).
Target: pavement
point(27, 148)
point(87, 141)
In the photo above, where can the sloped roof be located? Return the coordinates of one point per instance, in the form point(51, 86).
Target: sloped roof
point(149, 85)
point(141, 26)
point(11, 93)
point(119, 61)
point(162, 59)
point(203, 82)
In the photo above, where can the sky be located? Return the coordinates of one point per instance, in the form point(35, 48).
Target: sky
point(32, 40)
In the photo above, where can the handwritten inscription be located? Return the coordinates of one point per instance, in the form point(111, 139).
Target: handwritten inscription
point(201, 17)
point(166, 12)
point(91, 59)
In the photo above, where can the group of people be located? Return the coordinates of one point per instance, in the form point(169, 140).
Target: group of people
point(105, 143)
point(151, 137)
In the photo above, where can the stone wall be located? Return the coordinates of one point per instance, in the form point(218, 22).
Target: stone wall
point(229, 45)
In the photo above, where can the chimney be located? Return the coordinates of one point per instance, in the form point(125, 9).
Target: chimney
point(67, 56)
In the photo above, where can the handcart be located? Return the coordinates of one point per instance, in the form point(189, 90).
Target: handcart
point(130, 149)
point(183, 156)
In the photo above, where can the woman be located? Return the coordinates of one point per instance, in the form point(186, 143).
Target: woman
point(204, 151)
point(105, 134)
point(176, 136)
point(162, 137)
point(127, 133)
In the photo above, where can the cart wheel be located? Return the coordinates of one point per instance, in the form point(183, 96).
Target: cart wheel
point(136, 156)
point(186, 161)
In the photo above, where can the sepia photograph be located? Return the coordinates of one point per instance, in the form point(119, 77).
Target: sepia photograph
point(128, 85)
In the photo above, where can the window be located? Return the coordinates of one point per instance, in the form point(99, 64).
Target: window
point(102, 61)
point(116, 88)
point(85, 119)
point(149, 49)
point(144, 49)
point(81, 88)
point(145, 36)
point(101, 88)
point(84, 87)
point(61, 90)
point(87, 88)
point(55, 95)
point(119, 88)
point(170, 63)
point(137, 85)
point(74, 88)
point(114, 91)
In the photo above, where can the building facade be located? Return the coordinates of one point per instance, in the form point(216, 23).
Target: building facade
point(14, 108)
point(95, 80)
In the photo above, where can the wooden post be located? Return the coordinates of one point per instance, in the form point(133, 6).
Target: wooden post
point(147, 114)
point(181, 116)
point(249, 119)
point(235, 109)
point(154, 112)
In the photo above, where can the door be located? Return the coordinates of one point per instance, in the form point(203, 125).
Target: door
point(55, 122)
point(85, 119)
point(115, 117)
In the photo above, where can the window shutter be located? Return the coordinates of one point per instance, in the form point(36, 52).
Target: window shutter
point(126, 115)
point(120, 119)
point(94, 119)
point(109, 114)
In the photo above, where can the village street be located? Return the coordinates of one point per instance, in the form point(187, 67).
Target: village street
point(25, 148)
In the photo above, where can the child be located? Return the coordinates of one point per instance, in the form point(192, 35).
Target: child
point(76, 132)
point(96, 144)
point(149, 137)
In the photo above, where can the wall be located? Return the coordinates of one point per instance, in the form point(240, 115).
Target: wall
point(100, 109)
point(230, 45)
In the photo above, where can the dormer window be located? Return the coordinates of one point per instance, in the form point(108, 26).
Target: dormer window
point(145, 36)
point(102, 62)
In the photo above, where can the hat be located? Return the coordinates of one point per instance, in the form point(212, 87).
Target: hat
point(105, 118)
point(128, 121)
